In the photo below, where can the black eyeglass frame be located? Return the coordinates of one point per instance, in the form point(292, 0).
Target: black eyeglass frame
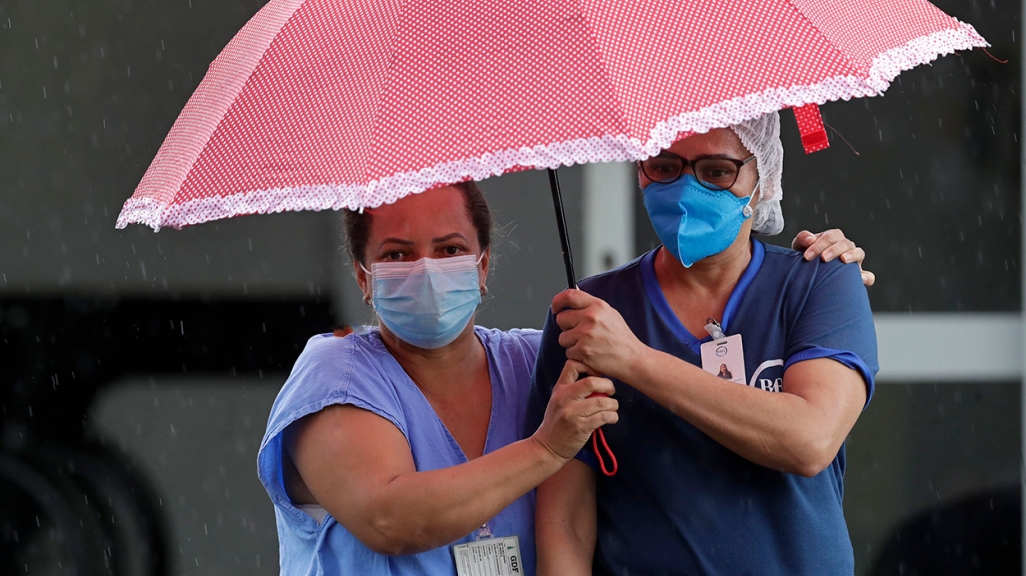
point(685, 163)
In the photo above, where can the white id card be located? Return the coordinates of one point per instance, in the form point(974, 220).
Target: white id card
point(489, 557)
point(725, 358)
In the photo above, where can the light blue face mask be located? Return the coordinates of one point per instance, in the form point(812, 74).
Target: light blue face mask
point(426, 303)
point(693, 221)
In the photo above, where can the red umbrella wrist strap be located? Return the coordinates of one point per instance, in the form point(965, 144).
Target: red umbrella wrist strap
point(598, 437)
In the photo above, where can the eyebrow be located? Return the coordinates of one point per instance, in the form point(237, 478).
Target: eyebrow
point(449, 237)
point(699, 157)
point(395, 241)
point(404, 242)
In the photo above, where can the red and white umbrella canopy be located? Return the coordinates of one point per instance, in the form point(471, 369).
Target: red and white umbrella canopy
point(320, 104)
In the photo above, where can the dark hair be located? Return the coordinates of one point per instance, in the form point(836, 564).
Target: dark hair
point(357, 224)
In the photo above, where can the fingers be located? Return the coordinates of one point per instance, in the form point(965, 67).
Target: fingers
point(596, 386)
point(803, 240)
point(593, 394)
point(868, 278)
point(568, 318)
point(828, 245)
point(599, 419)
point(572, 371)
point(571, 378)
point(571, 299)
point(856, 255)
point(575, 410)
point(567, 338)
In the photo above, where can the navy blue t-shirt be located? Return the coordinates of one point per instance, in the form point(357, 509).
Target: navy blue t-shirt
point(681, 503)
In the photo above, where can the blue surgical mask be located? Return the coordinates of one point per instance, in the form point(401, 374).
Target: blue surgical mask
point(695, 222)
point(426, 303)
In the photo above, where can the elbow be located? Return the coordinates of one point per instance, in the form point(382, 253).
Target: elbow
point(814, 456)
point(391, 537)
point(810, 468)
point(386, 546)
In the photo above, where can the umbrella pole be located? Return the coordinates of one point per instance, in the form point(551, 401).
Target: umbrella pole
point(564, 238)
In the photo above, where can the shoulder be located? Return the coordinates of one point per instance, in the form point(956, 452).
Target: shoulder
point(324, 374)
point(335, 358)
point(613, 281)
point(790, 267)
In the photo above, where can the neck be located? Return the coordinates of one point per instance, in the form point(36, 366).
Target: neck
point(702, 291)
point(442, 370)
point(715, 274)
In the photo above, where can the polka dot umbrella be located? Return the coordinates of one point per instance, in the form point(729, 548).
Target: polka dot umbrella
point(320, 104)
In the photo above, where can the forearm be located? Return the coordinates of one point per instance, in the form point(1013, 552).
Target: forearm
point(566, 522)
point(782, 431)
point(423, 510)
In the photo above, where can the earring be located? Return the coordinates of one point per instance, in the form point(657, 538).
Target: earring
point(367, 300)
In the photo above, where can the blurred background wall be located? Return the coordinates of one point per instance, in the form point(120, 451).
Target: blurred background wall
point(140, 367)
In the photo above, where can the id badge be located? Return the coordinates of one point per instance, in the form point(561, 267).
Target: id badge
point(489, 557)
point(725, 358)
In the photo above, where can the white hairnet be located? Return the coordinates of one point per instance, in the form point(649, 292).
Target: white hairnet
point(761, 136)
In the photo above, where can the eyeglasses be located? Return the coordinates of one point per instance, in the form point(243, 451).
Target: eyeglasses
point(712, 173)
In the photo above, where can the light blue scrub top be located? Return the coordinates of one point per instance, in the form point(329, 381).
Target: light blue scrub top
point(359, 371)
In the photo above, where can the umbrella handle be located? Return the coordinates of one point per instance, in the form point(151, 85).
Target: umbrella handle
point(564, 238)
